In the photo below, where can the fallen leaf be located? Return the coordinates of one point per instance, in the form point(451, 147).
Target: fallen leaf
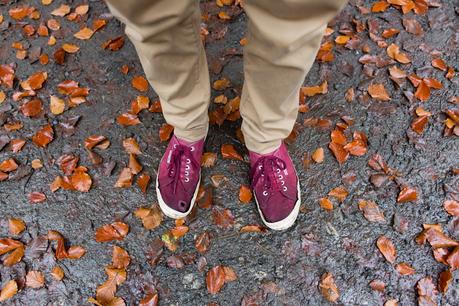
point(325, 203)
point(229, 152)
point(387, 248)
point(125, 178)
point(8, 165)
point(222, 217)
point(444, 279)
point(245, 194)
point(114, 231)
point(407, 194)
point(44, 136)
point(439, 64)
point(139, 83)
point(405, 269)
point(142, 181)
point(84, 34)
point(318, 155)
point(215, 279)
point(208, 159)
point(9, 290)
point(56, 105)
point(452, 207)
point(35, 279)
point(32, 108)
point(165, 132)
point(378, 92)
point(221, 84)
point(36, 197)
point(328, 287)
point(371, 211)
point(57, 273)
point(61, 11)
point(202, 242)
point(120, 258)
point(16, 226)
point(151, 217)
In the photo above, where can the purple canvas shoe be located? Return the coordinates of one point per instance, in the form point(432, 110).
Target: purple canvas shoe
point(179, 175)
point(276, 188)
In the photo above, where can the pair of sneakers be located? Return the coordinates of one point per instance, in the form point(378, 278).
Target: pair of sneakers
point(273, 177)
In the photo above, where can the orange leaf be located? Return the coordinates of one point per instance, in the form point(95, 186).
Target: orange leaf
point(44, 136)
point(151, 217)
point(221, 84)
point(120, 258)
point(165, 132)
point(139, 83)
point(439, 64)
point(405, 269)
point(325, 203)
point(407, 194)
point(452, 207)
point(328, 287)
point(36, 197)
point(131, 146)
point(9, 290)
point(215, 279)
point(142, 181)
point(379, 7)
point(83, 34)
point(125, 178)
point(245, 194)
point(114, 231)
point(128, 119)
point(208, 159)
point(32, 108)
point(16, 226)
point(8, 165)
point(222, 217)
point(229, 152)
point(80, 180)
point(387, 248)
point(35, 279)
point(378, 92)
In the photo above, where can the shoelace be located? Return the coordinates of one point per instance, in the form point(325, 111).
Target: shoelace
point(269, 167)
point(175, 165)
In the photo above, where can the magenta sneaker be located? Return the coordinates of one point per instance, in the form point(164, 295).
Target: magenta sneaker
point(179, 175)
point(276, 188)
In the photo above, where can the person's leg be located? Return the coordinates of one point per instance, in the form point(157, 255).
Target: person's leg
point(283, 39)
point(166, 36)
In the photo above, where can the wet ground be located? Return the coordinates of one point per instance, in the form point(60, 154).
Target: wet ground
point(273, 268)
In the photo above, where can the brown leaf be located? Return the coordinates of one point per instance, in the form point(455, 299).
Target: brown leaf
point(215, 279)
point(328, 287)
point(44, 136)
point(245, 194)
point(9, 290)
point(252, 228)
point(134, 165)
point(378, 285)
point(371, 211)
point(139, 104)
point(387, 248)
point(151, 217)
point(422, 92)
point(57, 273)
point(439, 64)
point(120, 258)
point(70, 48)
point(230, 275)
point(222, 217)
point(315, 90)
point(35, 81)
point(36, 197)
point(14, 257)
point(165, 132)
point(438, 239)
point(378, 92)
point(318, 155)
point(221, 84)
point(202, 242)
point(125, 178)
point(340, 193)
point(114, 44)
point(418, 125)
point(32, 108)
point(84, 34)
point(16, 226)
point(142, 181)
point(452, 207)
point(149, 300)
point(75, 252)
point(229, 152)
point(340, 154)
point(208, 159)
point(128, 119)
point(444, 279)
point(80, 180)
point(8, 165)
point(407, 194)
point(426, 288)
point(139, 83)
point(93, 141)
point(61, 11)
point(405, 269)
point(325, 203)
point(35, 279)
point(114, 231)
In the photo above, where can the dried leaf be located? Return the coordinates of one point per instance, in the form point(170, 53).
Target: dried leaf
point(229, 152)
point(139, 83)
point(35, 279)
point(84, 34)
point(405, 269)
point(202, 242)
point(208, 159)
point(328, 287)
point(371, 211)
point(16, 226)
point(165, 132)
point(318, 156)
point(245, 194)
point(120, 258)
point(44, 136)
point(9, 290)
point(407, 194)
point(378, 92)
point(151, 217)
point(114, 231)
point(387, 248)
point(215, 279)
point(125, 178)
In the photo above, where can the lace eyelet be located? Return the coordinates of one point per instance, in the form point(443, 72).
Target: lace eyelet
point(281, 177)
point(283, 183)
point(192, 149)
point(187, 167)
point(188, 161)
point(187, 179)
point(278, 170)
point(260, 167)
point(285, 188)
point(265, 193)
point(187, 173)
point(175, 146)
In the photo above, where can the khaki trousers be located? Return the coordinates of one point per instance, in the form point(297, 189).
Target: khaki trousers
point(283, 39)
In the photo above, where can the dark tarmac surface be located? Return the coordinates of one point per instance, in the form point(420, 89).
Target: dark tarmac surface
point(273, 268)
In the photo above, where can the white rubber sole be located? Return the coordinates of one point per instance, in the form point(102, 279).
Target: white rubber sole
point(288, 221)
point(172, 213)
